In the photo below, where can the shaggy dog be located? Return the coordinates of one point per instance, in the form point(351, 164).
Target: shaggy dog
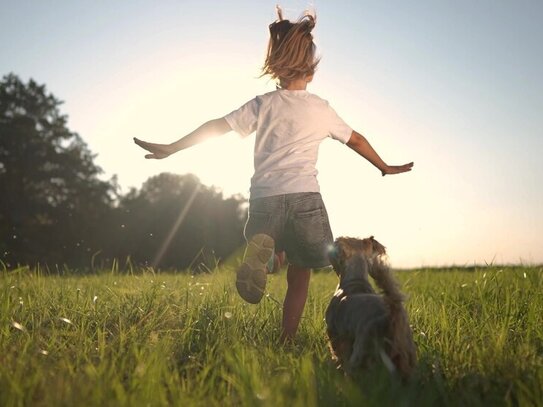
point(363, 325)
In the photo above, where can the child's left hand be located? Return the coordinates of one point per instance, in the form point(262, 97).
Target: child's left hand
point(158, 151)
point(396, 169)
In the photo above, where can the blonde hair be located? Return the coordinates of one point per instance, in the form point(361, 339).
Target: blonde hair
point(291, 51)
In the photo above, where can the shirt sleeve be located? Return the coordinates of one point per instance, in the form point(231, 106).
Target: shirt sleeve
point(338, 129)
point(244, 119)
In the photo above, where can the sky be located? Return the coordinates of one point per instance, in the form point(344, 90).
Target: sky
point(454, 86)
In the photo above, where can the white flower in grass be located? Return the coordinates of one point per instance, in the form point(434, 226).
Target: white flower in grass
point(66, 320)
point(228, 315)
point(43, 352)
point(263, 394)
point(18, 326)
point(95, 299)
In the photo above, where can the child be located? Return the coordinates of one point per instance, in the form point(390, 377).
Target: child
point(286, 211)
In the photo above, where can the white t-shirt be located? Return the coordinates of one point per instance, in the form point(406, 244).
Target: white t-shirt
point(289, 125)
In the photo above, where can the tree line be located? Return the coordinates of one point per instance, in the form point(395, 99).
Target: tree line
point(55, 210)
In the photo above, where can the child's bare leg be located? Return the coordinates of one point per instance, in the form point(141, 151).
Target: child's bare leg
point(293, 307)
point(278, 262)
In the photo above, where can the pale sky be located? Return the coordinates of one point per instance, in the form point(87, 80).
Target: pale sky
point(454, 86)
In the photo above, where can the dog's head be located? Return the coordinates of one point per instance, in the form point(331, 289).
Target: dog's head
point(349, 250)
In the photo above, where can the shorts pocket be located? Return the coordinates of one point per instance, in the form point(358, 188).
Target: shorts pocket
point(308, 227)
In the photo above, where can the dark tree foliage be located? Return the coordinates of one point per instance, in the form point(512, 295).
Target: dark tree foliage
point(54, 208)
point(176, 222)
point(51, 196)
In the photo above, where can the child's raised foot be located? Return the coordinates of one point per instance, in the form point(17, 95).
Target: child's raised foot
point(252, 274)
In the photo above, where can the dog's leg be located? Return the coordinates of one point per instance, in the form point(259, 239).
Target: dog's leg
point(360, 352)
point(364, 344)
point(341, 350)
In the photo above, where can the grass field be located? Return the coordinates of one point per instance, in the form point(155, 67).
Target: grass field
point(140, 338)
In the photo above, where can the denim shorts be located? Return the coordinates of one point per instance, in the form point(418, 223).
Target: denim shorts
point(297, 222)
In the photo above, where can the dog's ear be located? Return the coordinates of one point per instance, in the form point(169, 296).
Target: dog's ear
point(377, 248)
point(371, 247)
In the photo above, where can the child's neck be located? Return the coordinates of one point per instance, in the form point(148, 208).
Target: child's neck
point(297, 84)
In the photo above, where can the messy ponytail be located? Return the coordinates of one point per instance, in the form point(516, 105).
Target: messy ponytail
point(291, 51)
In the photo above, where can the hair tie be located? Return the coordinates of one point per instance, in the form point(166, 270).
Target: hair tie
point(309, 22)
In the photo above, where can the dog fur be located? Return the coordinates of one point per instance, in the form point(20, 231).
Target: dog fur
point(362, 324)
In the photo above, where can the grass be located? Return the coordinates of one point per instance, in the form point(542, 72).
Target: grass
point(146, 339)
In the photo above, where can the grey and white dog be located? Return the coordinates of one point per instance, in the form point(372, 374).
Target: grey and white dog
point(362, 325)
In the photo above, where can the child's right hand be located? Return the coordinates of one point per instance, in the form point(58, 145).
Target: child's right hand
point(158, 151)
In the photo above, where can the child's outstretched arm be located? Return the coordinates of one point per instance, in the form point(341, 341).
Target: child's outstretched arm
point(207, 130)
point(358, 143)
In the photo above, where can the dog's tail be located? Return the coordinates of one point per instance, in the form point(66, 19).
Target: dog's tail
point(402, 348)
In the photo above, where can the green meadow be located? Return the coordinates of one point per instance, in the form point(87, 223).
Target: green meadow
point(140, 338)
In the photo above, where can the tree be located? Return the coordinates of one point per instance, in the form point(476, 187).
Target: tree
point(174, 221)
point(55, 209)
point(51, 196)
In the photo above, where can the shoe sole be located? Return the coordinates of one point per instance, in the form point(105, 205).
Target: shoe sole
point(252, 274)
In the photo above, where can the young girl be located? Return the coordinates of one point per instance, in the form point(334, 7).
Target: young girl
point(286, 211)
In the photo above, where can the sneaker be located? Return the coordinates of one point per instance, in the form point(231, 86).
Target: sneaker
point(252, 274)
